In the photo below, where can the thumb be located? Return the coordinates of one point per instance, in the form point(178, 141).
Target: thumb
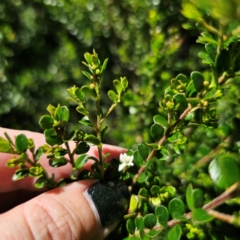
point(84, 210)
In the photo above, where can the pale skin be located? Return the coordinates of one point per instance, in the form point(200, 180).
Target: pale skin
point(62, 213)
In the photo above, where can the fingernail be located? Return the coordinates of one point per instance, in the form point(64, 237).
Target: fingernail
point(111, 200)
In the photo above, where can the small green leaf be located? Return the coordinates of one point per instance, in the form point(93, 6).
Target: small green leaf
point(20, 174)
point(211, 50)
point(176, 205)
point(201, 216)
point(85, 121)
point(118, 86)
point(88, 58)
point(104, 66)
point(143, 151)
point(182, 78)
point(57, 162)
point(130, 226)
point(155, 190)
point(138, 160)
point(133, 205)
point(39, 153)
point(156, 131)
point(52, 138)
point(82, 147)
point(87, 74)
point(21, 143)
point(175, 233)
point(62, 113)
point(162, 214)
point(139, 222)
point(143, 192)
point(80, 95)
point(82, 110)
point(46, 122)
point(40, 183)
point(5, 145)
point(160, 121)
point(180, 101)
point(92, 139)
point(124, 82)
point(81, 161)
point(198, 80)
point(89, 91)
point(113, 96)
point(51, 109)
point(174, 137)
point(165, 154)
point(36, 171)
point(149, 220)
point(142, 177)
point(224, 171)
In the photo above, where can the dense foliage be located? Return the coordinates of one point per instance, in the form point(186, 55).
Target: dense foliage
point(180, 105)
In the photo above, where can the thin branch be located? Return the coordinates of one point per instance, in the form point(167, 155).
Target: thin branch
point(161, 141)
point(229, 193)
point(222, 216)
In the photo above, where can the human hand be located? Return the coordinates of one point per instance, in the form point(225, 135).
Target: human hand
point(62, 213)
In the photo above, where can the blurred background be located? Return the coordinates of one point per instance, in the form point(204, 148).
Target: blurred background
point(42, 43)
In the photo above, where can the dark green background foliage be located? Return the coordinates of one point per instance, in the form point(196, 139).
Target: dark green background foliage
point(43, 42)
point(175, 54)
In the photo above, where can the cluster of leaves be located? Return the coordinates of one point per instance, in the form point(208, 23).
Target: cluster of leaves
point(191, 148)
point(58, 136)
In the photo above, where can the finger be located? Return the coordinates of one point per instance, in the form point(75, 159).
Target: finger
point(6, 183)
point(64, 213)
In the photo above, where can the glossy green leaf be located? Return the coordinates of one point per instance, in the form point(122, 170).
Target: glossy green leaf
point(130, 226)
point(180, 102)
point(21, 143)
point(138, 160)
point(139, 222)
point(88, 58)
point(201, 216)
point(52, 138)
point(89, 91)
point(51, 109)
point(80, 95)
point(39, 153)
point(57, 162)
point(176, 205)
point(143, 192)
point(224, 171)
point(87, 74)
point(62, 113)
point(46, 122)
point(133, 205)
point(36, 171)
point(82, 110)
point(85, 121)
point(20, 174)
point(104, 66)
point(124, 82)
point(82, 147)
point(113, 96)
point(143, 151)
point(142, 177)
point(118, 86)
point(81, 161)
point(211, 50)
point(162, 214)
point(198, 80)
point(175, 233)
point(194, 197)
point(155, 190)
point(5, 146)
point(40, 183)
point(182, 78)
point(149, 220)
point(161, 121)
point(156, 131)
point(223, 62)
point(174, 137)
point(165, 154)
point(92, 139)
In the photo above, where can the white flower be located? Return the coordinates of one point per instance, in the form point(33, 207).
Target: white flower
point(125, 161)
